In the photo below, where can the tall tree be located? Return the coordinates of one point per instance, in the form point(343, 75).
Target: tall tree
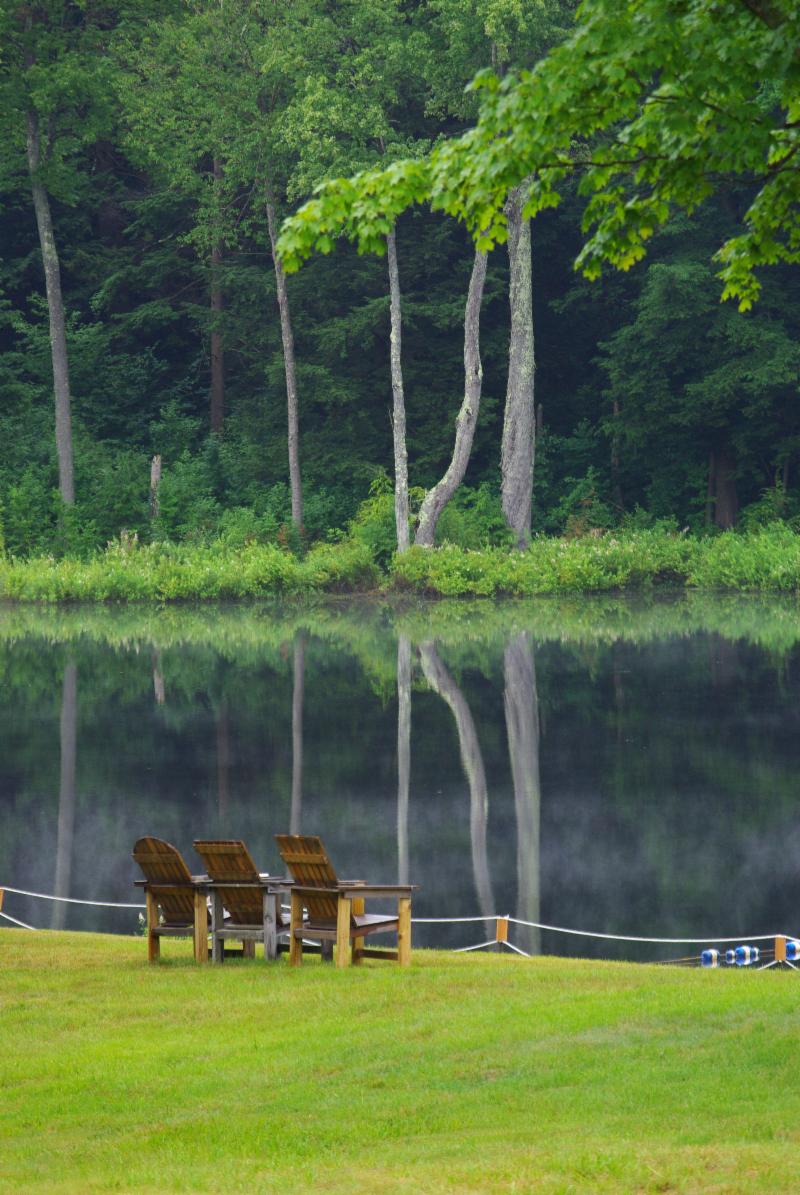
point(371, 57)
point(218, 81)
point(437, 497)
point(519, 424)
point(52, 105)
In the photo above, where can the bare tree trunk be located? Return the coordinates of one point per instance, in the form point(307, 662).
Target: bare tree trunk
point(722, 502)
point(217, 406)
point(442, 682)
point(155, 485)
point(55, 307)
point(516, 462)
point(619, 500)
point(297, 732)
point(398, 399)
point(68, 730)
point(287, 339)
point(437, 498)
point(403, 753)
point(522, 726)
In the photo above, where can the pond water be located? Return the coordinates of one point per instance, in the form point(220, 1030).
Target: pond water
point(622, 766)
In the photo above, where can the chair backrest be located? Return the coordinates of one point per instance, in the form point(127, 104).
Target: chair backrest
point(227, 860)
point(308, 861)
point(168, 878)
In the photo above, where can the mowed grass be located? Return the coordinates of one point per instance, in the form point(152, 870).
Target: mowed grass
point(459, 1074)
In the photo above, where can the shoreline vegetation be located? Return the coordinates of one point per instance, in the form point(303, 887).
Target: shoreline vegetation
point(609, 1054)
point(762, 560)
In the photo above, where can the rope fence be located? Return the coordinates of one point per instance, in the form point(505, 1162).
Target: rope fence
point(786, 949)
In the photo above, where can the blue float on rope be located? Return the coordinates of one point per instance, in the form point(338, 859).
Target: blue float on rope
point(710, 958)
point(730, 957)
point(745, 955)
point(792, 949)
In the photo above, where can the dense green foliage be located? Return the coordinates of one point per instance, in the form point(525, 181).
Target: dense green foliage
point(767, 559)
point(612, 1054)
point(168, 134)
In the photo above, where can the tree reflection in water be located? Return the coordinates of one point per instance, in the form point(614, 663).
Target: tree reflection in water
point(68, 733)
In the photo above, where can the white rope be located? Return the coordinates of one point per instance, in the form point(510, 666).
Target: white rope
point(586, 933)
point(480, 946)
point(14, 921)
point(71, 900)
point(558, 929)
point(451, 920)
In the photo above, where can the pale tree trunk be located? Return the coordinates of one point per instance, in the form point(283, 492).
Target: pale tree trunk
point(298, 691)
point(398, 399)
point(522, 727)
point(403, 753)
point(55, 307)
point(217, 405)
point(68, 731)
point(287, 339)
point(437, 498)
point(519, 429)
point(443, 683)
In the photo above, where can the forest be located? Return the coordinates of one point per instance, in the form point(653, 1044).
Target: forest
point(168, 375)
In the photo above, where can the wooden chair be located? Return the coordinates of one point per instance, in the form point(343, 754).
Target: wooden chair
point(176, 905)
point(253, 900)
point(336, 907)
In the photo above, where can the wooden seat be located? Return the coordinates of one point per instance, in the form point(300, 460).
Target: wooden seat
point(175, 903)
point(252, 899)
point(336, 907)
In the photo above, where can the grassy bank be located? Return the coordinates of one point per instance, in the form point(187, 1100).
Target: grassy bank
point(767, 560)
point(461, 1074)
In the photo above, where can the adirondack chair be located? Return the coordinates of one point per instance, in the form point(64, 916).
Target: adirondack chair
point(336, 907)
point(253, 900)
point(170, 887)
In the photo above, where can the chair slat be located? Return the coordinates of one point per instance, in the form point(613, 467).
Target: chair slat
point(168, 878)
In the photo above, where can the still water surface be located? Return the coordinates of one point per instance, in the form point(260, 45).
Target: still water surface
point(621, 766)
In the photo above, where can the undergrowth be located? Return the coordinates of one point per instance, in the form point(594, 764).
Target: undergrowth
point(767, 559)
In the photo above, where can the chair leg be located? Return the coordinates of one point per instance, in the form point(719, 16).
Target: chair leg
point(404, 931)
point(153, 941)
point(248, 948)
point(342, 931)
point(270, 907)
point(358, 943)
point(200, 928)
point(295, 926)
point(217, 921)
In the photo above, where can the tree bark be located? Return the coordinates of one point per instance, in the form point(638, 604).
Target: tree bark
point(517, 451)
point(722, 505)
point(442, 682)
point(217, 404)
point(398, 400)
point(437, 498)
point(287, 339)
point(522, 726)
point(68, 730)
point(403, 753)
point(298, 691)
point(55, 307)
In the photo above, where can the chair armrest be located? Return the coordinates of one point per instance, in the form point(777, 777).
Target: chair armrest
point(378, 890)
point(358, 890)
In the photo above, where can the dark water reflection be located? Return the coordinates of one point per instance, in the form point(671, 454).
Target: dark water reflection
point(627, 767)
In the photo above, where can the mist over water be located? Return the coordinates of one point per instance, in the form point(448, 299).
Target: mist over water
point(620, 766)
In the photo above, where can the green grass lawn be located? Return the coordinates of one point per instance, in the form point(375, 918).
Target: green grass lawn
point(459, 1074)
